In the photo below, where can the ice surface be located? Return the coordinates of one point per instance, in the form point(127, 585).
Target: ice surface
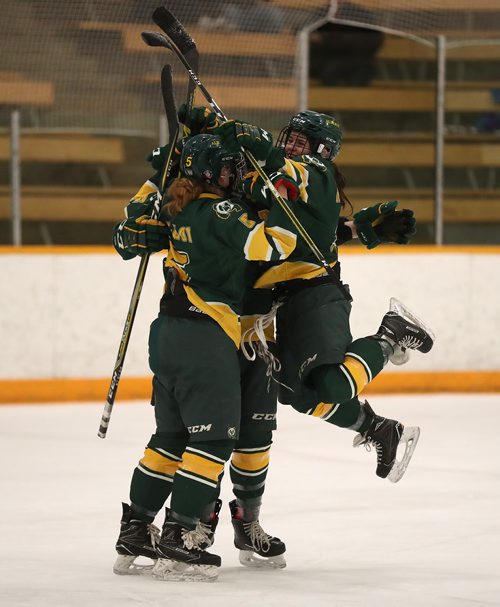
point(352, 539)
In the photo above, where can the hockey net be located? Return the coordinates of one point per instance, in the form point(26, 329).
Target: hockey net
point(82, 63)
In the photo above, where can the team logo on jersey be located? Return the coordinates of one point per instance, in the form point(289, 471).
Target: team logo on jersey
point(306, 363)
point(231, 432)
point(199, 428)
point(224, 208)
point(264, 416)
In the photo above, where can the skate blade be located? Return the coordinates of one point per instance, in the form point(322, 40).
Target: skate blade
point(125, 565)
point(409, 439)
point(399, 307)
point(168, 570)
point(251, 559)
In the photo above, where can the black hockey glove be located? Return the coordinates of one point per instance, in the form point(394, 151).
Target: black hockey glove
point(382, 223)
point(139, 236)
point(397, 227)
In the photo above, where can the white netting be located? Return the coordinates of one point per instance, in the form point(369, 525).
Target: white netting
point(82, 64)
point(85, 65)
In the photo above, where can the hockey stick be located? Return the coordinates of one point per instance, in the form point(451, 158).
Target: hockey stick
point(173, 128)
point(181, 43)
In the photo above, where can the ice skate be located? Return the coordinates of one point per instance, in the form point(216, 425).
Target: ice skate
point(257, 548)
point(404, 331)
point(182, 556)
point(137, 539)
point(386, 435)
point(209, 527)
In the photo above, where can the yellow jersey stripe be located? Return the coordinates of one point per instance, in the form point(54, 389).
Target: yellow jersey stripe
point(303, 180)
point(257, 246)
point(321, 409)
point(159, 463)
point(357, 372)
point(250, 461)
point(146, 189)
point(201, 466)
point(220, 312)
point(289, 270)
point(284, 240)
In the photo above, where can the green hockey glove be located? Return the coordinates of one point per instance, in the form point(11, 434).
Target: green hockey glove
point(236, 135)
point(382, 223)
point(199, 120)
point(139, 236)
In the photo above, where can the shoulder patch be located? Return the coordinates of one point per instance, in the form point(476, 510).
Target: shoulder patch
point(224, 208)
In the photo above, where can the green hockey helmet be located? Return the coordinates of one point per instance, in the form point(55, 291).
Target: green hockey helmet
point(323, 132)
point(203, 157)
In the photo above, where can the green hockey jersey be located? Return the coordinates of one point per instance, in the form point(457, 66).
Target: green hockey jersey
point(317, 208)
point(212, 240)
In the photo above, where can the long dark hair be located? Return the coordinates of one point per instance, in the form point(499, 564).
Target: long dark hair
point(341, 182)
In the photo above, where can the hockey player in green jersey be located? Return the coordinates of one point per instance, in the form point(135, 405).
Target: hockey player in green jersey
point(322, 369)
point(197, 394)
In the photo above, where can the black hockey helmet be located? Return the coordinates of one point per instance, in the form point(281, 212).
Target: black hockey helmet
point(203, 158)
point(323, 132)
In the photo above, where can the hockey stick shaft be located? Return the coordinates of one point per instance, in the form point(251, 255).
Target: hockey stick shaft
point(180, 43)
point(173, 127)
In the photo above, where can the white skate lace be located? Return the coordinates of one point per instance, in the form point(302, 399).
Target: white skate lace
point(252, 347)
point(369, 443)
point(410, 342)
point(154, 534)
point(259, 538)
point(195, 539)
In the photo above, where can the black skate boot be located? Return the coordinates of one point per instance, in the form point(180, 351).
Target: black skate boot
point(208, 527)
point(137, 538)
point(182, 555)
point(404, 331)
point(253, 542)
point(386, 435)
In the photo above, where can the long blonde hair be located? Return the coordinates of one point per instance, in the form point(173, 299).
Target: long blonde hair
point(181, 192)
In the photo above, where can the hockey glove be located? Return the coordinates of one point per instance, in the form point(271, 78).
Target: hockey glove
point(236, 135)
point(139, 236)
point(373, 230)
point(157, 159)
point(397, 227)
point(199, 120)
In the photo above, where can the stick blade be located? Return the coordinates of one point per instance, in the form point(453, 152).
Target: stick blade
point(167, 91)
point(155, 39)
point(174, 29)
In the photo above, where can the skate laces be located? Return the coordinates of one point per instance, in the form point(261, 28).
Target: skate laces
point(154, 534)
point(261, 541)
point(368, 443)
point(411, 342)
point(207, 530)
point(196, 539)
point(254, 343)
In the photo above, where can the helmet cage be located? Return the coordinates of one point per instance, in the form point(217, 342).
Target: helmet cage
point(323, 133)
point(203, 158)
